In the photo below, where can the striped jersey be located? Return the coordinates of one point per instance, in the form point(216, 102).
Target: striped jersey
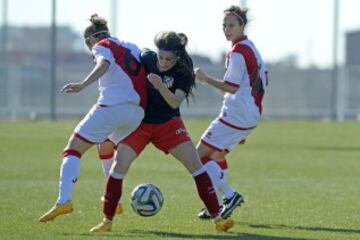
point(125, 80)
point(246, 70)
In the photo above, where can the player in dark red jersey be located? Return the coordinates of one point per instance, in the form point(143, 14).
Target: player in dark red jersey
point(171, 80)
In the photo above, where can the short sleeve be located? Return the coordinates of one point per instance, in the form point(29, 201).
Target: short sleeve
point(180, 82)
point(236, 70)
point(148, 58)
point(103, 52)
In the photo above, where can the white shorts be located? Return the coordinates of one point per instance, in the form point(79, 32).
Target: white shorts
point(221, 136)
point(101, 123)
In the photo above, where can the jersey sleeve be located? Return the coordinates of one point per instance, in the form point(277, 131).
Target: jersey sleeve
point(101, 52)
point(236, 70)
point(135, 51)
point(180, 82)
point(148, 58)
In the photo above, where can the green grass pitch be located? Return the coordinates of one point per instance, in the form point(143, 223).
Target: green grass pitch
point(300, 179)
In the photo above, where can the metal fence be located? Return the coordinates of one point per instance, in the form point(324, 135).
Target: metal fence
point(292, 93)
point(26, 76)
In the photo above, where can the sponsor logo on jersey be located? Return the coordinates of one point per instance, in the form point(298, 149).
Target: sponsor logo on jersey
point(180, 131)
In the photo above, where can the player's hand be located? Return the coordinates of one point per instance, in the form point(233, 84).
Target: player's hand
point(155, 80)
point(200, 74)
point(72, 88)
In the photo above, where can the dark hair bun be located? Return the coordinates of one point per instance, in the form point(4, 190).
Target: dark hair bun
point(97, 21)
point(183, 39)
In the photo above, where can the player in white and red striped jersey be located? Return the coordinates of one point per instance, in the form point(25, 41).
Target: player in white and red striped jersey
point(244, 85)
point(118, 111)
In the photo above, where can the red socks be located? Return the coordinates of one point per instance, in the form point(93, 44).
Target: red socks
point(207, 193)
point(112, 195)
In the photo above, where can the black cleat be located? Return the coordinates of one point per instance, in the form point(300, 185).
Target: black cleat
point(204, 214)
point(230, 204)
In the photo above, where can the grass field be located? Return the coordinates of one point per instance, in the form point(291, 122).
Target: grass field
point(301, 180)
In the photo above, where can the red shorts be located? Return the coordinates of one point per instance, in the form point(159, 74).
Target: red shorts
point(164, 136)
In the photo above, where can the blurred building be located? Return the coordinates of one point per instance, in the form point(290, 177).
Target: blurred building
point(32, 44)
point(26, 91)
point(37, 39)
point(352, 48)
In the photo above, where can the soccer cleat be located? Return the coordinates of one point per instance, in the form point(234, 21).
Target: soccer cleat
point(230, 204)
point(57, 210)
point(204, 214)
point(223, 225)
point(104, 226)
point(119, 207)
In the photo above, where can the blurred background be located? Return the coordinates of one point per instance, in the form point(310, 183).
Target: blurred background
point(310, 47)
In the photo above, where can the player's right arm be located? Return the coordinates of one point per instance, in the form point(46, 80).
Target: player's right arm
point(174, 100)
point(219, 84)
point(100, 68)
point(103, 58)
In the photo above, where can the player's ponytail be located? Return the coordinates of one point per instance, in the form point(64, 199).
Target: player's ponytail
point(98, 27)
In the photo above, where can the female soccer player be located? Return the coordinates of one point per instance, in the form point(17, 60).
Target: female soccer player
point(244, 83)
point(122, 86)
point(171, 80)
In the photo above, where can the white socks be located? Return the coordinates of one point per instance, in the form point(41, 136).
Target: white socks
point(198, 172)
point(106, 165)
point(219, 179)
point(69, 173)
point(117, 176)
point(229, 192)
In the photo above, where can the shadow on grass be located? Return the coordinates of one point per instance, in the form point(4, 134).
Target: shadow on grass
point(334, 148)
point(281, 226)
point(329, 148)
point(230, 235)
point(143, 234)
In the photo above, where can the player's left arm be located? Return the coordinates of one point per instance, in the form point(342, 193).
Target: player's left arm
point(173, 99)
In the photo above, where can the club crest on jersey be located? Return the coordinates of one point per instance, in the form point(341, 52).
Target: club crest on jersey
point(168, 81)
point(208, 135)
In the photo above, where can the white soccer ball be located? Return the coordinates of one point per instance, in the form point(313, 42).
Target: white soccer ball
point(146, 199)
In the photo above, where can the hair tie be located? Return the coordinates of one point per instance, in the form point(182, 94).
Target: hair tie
point(95, 33)
point(175, 51)
point(236, 15)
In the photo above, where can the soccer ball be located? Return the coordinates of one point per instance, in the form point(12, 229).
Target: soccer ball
point(146, 199)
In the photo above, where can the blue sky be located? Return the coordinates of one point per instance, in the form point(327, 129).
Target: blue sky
point(279, 28)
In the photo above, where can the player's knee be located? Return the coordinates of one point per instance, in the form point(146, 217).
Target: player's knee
point(124, 157)
point(106, 150)
point(121, 166)
point(218, 156)
point(79, 144)
point(203, 150)
point(191, 162)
